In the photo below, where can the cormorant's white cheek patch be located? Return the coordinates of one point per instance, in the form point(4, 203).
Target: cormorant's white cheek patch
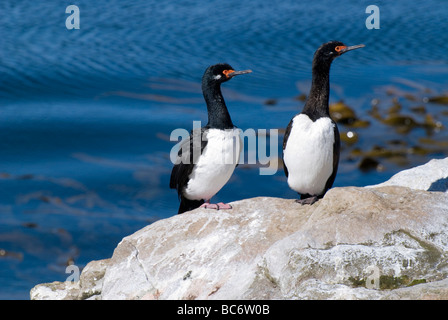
point(217, 77)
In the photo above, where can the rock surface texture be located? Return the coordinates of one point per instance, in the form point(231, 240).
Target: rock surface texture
point(432, 176)
point(380, 242)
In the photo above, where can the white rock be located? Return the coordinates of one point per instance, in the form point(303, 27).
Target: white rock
point(271, 248)
point(432, 176)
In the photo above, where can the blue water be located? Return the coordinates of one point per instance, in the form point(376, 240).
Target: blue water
point(85, 115)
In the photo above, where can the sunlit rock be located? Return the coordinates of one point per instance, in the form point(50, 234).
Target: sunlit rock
point(386, 242)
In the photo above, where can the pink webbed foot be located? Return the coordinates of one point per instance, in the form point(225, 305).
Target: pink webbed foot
point(310, 200)
point(209, 205)
point(223, 206)
point(216, 206)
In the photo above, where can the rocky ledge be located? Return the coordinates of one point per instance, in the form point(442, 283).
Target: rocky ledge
point(380, 242)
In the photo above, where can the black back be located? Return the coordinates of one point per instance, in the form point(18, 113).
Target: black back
point(336, 155)
point(187, 158)
point(285, 140)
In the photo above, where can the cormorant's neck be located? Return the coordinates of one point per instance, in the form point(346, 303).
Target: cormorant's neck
point(316, 105)
point(218, 115)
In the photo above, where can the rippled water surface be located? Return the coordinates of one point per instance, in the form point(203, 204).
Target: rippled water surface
point(86, 115)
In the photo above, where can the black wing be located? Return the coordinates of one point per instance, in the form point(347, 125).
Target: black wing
point(187, 158)
point(285, 139)
point(336, 152)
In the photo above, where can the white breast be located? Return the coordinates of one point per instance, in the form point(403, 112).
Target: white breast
point(308, 154)
point(215, 165)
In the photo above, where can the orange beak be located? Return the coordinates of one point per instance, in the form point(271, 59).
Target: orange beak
point(231, 73)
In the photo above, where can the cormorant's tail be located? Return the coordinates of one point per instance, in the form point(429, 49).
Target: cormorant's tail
point(187, 205)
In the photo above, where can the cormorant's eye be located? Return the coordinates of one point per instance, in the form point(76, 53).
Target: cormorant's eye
point(227, 72)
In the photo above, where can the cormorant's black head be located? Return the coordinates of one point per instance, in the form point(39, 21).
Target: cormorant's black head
point(220, 73)
point(331, 50)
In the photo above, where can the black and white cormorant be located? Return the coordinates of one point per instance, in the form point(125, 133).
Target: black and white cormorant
point(311, 144)
point(207, 159)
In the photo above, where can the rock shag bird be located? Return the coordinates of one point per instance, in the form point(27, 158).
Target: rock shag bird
point(311, 144)
point(207, 159)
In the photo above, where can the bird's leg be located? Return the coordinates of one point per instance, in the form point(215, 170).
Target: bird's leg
point(309, 200)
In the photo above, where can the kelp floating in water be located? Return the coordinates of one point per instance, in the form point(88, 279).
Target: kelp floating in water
point(396, 153)
point(11, 254)
point(404, 123)
point(442, 99)
point(340, 112)
point(368, 164)
point(433, 142)
point(270, 102)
